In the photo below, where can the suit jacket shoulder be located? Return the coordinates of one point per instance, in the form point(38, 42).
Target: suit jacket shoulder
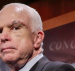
point(45, 65)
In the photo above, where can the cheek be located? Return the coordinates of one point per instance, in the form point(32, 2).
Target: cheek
point(25, 48)
point(17, 34)
point(23, 42)
point(16, 37)
point(22, 37)
point(26, 44)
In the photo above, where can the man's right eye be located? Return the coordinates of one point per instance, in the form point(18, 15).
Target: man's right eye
point(0, 30)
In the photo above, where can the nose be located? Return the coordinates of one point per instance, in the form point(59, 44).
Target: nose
point(5, 35)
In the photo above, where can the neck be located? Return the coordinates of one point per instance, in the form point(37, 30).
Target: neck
point(15, 69)
point(15, 66)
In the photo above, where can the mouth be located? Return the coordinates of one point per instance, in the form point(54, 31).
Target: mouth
point(7, 49)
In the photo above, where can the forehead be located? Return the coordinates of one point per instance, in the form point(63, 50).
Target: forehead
point(11, 13)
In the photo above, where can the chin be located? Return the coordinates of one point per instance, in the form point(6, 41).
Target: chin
point(8, 58)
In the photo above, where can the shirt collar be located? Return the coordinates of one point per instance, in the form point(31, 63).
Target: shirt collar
point(73, 64)
point(29, 65)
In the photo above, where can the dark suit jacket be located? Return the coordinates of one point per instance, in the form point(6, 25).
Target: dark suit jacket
point(45, 65)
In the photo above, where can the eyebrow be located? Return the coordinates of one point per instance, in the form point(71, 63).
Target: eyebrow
point(16, 23)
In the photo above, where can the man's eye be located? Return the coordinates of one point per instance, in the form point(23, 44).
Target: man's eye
point(1, 30)
point(15, 28)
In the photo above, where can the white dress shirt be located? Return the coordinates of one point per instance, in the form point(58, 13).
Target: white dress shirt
point(73, 64)
point(31, 63)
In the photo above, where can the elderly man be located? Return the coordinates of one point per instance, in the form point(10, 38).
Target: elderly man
point(21, 39)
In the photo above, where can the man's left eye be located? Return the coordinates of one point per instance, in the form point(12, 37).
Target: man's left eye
point(15, 28)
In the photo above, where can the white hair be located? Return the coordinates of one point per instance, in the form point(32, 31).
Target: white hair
point(36, 22)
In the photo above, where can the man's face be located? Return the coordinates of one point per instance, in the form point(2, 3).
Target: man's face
point(16, 41)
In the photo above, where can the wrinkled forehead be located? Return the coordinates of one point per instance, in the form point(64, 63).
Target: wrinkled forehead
point(14, 12)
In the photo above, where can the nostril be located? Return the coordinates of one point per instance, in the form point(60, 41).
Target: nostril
point(4, 40)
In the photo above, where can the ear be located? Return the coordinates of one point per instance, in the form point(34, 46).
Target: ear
point(38, 39)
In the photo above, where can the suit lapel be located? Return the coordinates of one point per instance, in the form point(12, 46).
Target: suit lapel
point(40, 64)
